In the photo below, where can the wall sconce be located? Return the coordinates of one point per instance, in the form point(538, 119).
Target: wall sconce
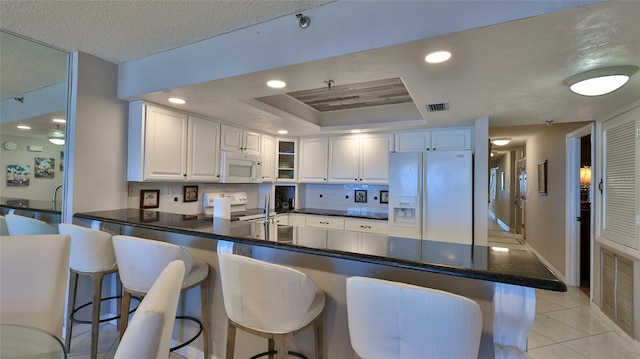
point(600, 81)
point(585, 177)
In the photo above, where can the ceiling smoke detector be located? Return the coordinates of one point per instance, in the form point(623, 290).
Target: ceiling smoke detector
point(436, 107)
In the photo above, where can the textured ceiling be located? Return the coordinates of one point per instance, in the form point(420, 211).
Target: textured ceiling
point(121, 31)
point(510, 72)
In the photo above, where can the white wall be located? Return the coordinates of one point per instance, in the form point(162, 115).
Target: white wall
point(39, 188)
point(97, 138)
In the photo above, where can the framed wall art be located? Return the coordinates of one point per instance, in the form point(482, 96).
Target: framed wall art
point(190, 194)
point(361, 196)
point(149, 198)
point(542, 178)
point(384, 196)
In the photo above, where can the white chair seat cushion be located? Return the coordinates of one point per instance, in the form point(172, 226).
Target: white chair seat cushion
point(316, 307)
point(199, 271)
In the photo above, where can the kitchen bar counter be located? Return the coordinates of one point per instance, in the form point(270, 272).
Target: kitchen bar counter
point(517, 267)
point(31, 205)
point(341, 213)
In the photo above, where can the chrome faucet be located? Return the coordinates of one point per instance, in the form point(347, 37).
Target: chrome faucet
point(55, 193)
point(267, 199)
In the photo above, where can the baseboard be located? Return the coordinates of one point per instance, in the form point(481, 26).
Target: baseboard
point(546, 263)
point(628, 340)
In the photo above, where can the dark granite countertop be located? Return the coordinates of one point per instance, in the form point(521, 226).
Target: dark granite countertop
point(31, 205)
point(342, 213)
point(518, 267)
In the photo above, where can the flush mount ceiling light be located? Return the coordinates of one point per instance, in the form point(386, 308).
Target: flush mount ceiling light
point(501, 141)
point(177, 101)
point(23, 127)
point(356, 131)
point(600, 81)
point(59, 120)
point(57, 141)
point(437, 57)
point(276, 84)
point(283, 132)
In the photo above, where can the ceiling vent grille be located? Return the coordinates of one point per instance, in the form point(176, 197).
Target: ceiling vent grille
point(435, 107)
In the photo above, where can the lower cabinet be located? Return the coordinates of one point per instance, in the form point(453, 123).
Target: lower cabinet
point(365, 225)
point(326, 222)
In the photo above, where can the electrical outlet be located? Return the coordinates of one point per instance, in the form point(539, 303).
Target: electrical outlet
point(131, 191)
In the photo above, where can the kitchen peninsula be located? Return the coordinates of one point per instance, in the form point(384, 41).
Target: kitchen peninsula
point(499, 280)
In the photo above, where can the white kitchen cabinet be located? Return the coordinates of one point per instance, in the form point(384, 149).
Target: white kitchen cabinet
point(166, 145)
point(344, 241)
point(203, 161)
point(286, 160)
point(413, 141)
point(365, 225)
point(326, 222)
point(440, 139)
point(359, 159)
point(459, 138)
point(313, 160)
point(235, 139)
point(297, 219)
point(282, 219)
point(268, 158)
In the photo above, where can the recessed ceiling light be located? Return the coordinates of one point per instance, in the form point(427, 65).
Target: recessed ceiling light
point(23, 127)
point(177, 101)
point(57, 141)
point(283, 132)
point(501, 141)
point(276, 84)
point(437, 57)
point(600, 81)
point(356, 131)
point(59, 120)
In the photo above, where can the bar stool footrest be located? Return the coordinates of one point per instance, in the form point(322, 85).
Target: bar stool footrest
point(194, 337)
point(273, 352)
point(80, 321)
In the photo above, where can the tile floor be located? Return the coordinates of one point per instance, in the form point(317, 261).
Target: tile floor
point(565, 327)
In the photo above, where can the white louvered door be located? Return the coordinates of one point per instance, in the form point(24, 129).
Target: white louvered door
point(620, 188)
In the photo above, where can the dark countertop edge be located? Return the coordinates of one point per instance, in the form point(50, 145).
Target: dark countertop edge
point(336, 213)
point(537, 283)
point(32, 209)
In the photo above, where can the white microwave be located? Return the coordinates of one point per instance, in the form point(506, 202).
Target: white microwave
point(240, 168)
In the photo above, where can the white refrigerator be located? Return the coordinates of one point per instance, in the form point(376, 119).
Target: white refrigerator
point(431, 195)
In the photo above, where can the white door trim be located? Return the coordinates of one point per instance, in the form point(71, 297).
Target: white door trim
point(572, 226)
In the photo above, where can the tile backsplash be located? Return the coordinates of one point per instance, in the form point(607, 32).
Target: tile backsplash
point(342, 197)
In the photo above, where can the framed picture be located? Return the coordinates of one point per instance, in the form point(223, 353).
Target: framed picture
point(149, 198)
point(361, 196)
point(384, 196)
point(542, 178)
point(190, 194)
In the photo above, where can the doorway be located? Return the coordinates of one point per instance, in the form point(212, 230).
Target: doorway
point(579, 225)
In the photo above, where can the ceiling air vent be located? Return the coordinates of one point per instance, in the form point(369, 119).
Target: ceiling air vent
point(435, 107)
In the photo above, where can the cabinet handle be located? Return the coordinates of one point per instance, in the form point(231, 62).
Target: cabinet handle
point(355, 179)
point(365, 227)
point(184, 175)
point(434, 148)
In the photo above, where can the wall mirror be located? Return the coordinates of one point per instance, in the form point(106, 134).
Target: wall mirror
point(33, 113)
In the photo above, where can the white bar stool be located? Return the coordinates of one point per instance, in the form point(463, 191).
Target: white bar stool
point(140, 261)
point(270, 301)
point(4, 231)
point(397, 320)
point(20, 225)
point(91, 255)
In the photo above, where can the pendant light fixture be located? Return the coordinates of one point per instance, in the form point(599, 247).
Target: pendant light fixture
point(600, 81)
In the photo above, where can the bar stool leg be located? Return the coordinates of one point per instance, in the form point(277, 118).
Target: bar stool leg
point(272, 348)
point(71, 303)
point(282, 345)
point(231, 340)
point(118, 300)
point(204, 298)
point(124, 313)
point(317, 325)
point(96, 278)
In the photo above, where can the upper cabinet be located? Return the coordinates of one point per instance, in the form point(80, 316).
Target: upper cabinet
point(165, 145)
point(286, 160)
point(313, 160)
point(458, 138)
point(235, 139)
point(268, 158)
point(359, 159)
